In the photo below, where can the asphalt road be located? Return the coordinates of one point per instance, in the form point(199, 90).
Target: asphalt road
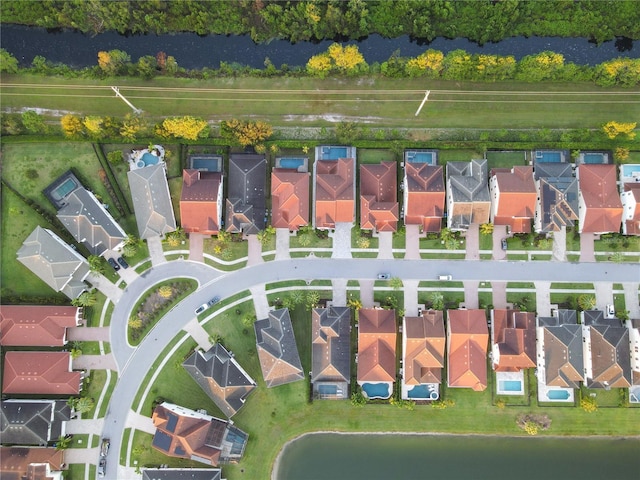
point(134, 363)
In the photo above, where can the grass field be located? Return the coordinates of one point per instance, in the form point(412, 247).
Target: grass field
point(296, 101)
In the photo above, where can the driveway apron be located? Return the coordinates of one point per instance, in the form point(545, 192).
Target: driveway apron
point(341, 240)
point(282, 243)
point(95, 362)
point(586, 247)
point(412, 242)
point(255, 250)
point(198, 333)
point(100, 282)
point(385, 245)
point(196, 247)
point(472, 236)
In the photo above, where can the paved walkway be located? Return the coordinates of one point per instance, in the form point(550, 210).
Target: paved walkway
point(100, 282)
point(95, 362)
point(90, 426)
point(140, 422)
point(342, 240)
point(260, 302)
point(587, 253)
point(155, 251)
point(560, 245)
point(412, 242)
point(366, 293)
point(499, 232)
point(282, 243)
point(472, 251)
point(499, 294)
point(411, 297)
point(339, 287)
point(198, 333)
point(88, 334)
point(255, 251)
point(543, 298)
point(385, 245)
point(631, 299)
point(471, 294)
point(196, 247)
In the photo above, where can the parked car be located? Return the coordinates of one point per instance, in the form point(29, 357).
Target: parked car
point(610, 311)
point(384, 276)
point(102, 467)
point(104, 448)
point(213, 301)
point(444, 277)
point(113, 263)
point(504, 243)
point(202, 308)
point(123, 262)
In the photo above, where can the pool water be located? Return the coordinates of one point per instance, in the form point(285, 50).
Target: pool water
point(334, 153)
point(548, 157)
point(593, 158)
point(510, 386)
point(207, 164)
point(293, 163)
point(327, 389)
point(423, 392)
point(557, 394)
point(65, 189)
point(629, 170)
point(420, 157)
point(376, 390)
point(149, 159)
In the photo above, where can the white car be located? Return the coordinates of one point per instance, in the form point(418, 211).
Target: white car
point(384, 276)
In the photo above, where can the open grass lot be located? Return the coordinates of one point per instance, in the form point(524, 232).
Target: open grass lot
point(384, 101)
point(505, 159)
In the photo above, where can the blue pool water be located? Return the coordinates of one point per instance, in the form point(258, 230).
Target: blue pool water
point(68, 186)
point(376, 390)
point(593, 158)
point(149, 159)
point(327, 389)
point(548, 157)
point(510, 386)
point(420, 157)
point(206, 163)
point(419, 391)
point(287, 162)
point(557, 394)
point(627, 170)
point(334, 153)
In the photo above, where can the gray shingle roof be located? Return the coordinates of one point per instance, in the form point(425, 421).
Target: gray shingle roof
point(89, 222)
point(564, 361)
point(467, 183)
point(331, 346)
point(181, 474)
point(246, 203)
point(610, 351)
point(55, 262)
point(558, 189)
point(32, 422)
point(151, 201)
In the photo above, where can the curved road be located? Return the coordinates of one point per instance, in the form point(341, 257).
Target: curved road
point(134, 363)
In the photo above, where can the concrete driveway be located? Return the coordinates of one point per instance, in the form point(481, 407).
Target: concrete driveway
point(499, 232)
point(196, 247)
point(342, 240)
point(95, 362)
point(499, 294)
point(587, 253)
point(560, 245)
point(471, 294)
point(411, 297)
point(366, 293)
point(472, 236)
point(155, 251)
point(255, 250)
point(385, 245)
point(100, 282)
point(88, 334)
point(282, 243)
point(543, 298)
point(412, 242)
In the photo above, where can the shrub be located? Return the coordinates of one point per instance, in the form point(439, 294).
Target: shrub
point(533, 423)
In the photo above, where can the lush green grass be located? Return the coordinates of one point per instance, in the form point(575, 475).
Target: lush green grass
point(94, 389)
point(371, 155)
point(75, 472)
point(505, 159)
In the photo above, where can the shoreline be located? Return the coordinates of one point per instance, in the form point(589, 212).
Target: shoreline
point(276, 463)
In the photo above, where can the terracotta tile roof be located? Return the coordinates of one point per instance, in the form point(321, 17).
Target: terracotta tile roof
point(610, 356)
point(563, 355)
point(423, 347)
point(289, 198)
point(467, 341)
point(277, 349)
point(40, 373)
point(600, 205)
point(424, 196)
point(334, 192)
point(36, 325)
point(514, 340)
point(22, 463)
point(467, 194)
point(331, 344)
point(376, 345)
point(631, 205)
point(221, 377)
point(184, 433)
point(246, 202)
point(514, 198)
point(379, 208)
point(201, 202)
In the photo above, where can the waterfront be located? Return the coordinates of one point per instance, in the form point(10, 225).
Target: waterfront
point(329, 456)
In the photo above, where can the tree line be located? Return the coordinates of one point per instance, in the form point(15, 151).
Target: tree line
point(313, 20)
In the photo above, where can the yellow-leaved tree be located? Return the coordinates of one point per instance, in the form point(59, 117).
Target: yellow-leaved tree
point(336, 59)
point(428, 63)
point(71, 125)
point(187, 127)
point(94, 125)
point(613, 129)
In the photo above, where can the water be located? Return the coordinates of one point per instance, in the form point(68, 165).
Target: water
point(333, 153)
point(594, 158)
point(208, 163)
point(548, 157)
point(557, 395)
point(294, 163)
point(384, 457)
point(193, 51)
point(65, 189)
point(510, 386)
point(376, 390)
point(420, 157)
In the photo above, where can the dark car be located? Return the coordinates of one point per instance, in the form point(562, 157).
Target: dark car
point(504, 243)
point(123, 262)
point(113, 263)
point(213, 301)
point(102, 467)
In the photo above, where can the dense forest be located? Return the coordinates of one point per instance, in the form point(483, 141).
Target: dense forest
point(478, 20)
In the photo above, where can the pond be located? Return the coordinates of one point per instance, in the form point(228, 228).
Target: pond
point(329, 456)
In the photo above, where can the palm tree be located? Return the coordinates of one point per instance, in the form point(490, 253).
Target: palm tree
point(63, 443)
point(354, 303)
point(395, 283)
point(96, 264)
point(437, 300)
point(313, 298)
point(84, 404)
point(135, 323)
point(86, 299)
point(586, 301)
point(486, 228)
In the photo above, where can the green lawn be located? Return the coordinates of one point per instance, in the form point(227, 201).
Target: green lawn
point(505, 159)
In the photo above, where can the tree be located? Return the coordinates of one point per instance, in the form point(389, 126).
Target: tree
point(75, 353)
point(33, 122)
point(188, 127)
point(586, 301)
point(428, 64)
point(249, 319)
point(86, 299)
point(132, 126)
point(486, 228)
point(354, 303)
point(246, 133)
point(347, 132)
point(96, 264)
point(297, 297)
point(8, 63)
point(363, 242)
point(113, 62)
point(437, 300)
point(165, 291)
point(83, 404)
point(621, 154)
point(131, 245)
point(613, 129)
point(312, 298)
point(63, 442)
point(395, 283)
point(71, 125)
point(135, 323)
point(589, 404)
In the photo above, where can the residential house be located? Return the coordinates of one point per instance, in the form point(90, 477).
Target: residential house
point(377, 351)
point(277, 350)
point(331, 351)
point(513, 198)
point(630, 199)
point(33, 422)
point(334, 192)
point(37, 325)
point(599, 205)
point(557, 189)
point(467, 341)
point(54, 262)
point(22, 463)
point(289, 198)
point(246, 203)
point(40, 373)
point(424, 196)
point(560, 349)
point(185, 433)
point(423, 342)
point(221, 377)
point(513, 340)
point(606, 351)
point(634, 343)
point(468, 199)
point(90, 223)
point(201, 202)
point(379, 208)
point(182, 474)
point(151, 201)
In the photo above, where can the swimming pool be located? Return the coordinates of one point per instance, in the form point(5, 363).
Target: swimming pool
point(548, 156)
point(420, 157)
point(510, 386)
point(290, 162)
point(376, 390)
point(423, 392)
point(327, 389)
point(334, 153)
point(68, 186)
point(596, 158)
point(629, 170)
point(209, 164)
point(149, 159)
point(558, 394)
